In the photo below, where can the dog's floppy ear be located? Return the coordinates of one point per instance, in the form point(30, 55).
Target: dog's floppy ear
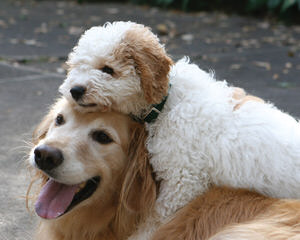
point(151, 62)
point(41, 130)
point(139, 190)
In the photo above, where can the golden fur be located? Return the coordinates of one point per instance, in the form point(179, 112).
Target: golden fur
point(114, 209)
point(225, 213)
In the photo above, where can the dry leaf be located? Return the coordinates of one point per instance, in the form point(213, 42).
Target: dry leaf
point(265, 65)
point(235, 66)
point(75, 30)
point(187, 37)
point(162, 29)
point(112, 10)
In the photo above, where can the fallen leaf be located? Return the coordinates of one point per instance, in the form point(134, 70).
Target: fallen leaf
point(75, 30)
point(112, 10)
point(95, 18)
point(31, 42)
point(13, 41)
point(275, 76)
point(265, 65)
point(60, 12)
point(12, 21)
point(291, 54)
point(3, 24)
point(24, 11)
point(285, 71)
point(187, 37)
point(42, 29)
point(60, 70)
point(288, 65)
point(264, 25)
point(235, 66)
point(162, 29)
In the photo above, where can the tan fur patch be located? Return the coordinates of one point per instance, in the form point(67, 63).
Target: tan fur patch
point(241, 97)
point(150, 60)
point(247, 99)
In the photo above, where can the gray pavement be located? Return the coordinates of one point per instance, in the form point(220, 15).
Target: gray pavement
point(36, 36)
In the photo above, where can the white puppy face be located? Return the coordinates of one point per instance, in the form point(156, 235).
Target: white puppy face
point(120, 67)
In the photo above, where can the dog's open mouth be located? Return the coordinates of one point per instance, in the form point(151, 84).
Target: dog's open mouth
point(56, 199)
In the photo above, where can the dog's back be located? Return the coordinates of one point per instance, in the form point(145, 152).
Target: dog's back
point(225, 213)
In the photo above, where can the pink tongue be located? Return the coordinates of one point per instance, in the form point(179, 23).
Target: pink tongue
point(54, 199)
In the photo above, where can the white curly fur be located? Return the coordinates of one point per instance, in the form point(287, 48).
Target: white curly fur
point(198, 139)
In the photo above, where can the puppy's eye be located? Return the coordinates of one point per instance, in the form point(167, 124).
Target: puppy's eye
point(101, 137)
point(107, 70)
point(59, 120)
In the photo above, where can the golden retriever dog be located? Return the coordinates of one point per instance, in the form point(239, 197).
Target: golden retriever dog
point(234, 214)
point(96, 182)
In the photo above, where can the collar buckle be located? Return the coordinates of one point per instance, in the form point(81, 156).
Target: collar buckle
point(153, 113)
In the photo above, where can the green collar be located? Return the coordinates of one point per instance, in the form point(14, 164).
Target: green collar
point(155, 110)
point(153, 113)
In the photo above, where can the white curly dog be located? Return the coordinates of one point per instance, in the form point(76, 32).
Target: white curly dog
point(206, 133)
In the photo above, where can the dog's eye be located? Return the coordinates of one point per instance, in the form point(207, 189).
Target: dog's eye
point(107, 70)
point(59, 120)
point(101, 137)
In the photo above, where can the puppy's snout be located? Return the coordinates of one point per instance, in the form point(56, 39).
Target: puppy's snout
point(47, 157)
point(77, 92)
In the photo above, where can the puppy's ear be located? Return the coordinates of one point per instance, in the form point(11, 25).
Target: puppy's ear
point(138, 192)
point(151, 62)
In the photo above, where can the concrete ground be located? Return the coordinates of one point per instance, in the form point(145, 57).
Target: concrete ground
point(36, 37)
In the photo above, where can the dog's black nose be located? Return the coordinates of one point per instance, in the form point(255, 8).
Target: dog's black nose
point(47, 157)
point(77, 92)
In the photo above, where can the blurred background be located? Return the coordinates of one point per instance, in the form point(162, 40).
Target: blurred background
point(254, 44)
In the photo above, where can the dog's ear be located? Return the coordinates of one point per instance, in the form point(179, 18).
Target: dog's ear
point(151, 62)
point(138, 192)
point(41, 130)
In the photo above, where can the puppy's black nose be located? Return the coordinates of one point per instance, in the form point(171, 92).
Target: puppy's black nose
point(47, 158)
point(77, 92)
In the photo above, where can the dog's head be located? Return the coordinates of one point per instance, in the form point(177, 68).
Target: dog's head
point(91, 163)
point(120, 66)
